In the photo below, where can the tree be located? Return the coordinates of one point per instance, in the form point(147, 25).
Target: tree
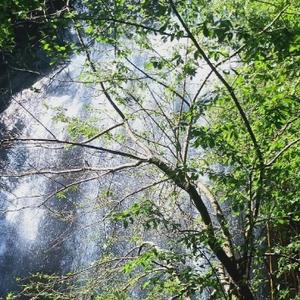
point(236, 126)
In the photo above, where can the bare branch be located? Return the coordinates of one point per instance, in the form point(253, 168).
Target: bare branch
point(74, 183)
point(282, 151)
point(49, 141)
point(144, 188)
point(102, 133)
point(60, 172)
point(159, 82)
point(35, 118)
point(219, 213)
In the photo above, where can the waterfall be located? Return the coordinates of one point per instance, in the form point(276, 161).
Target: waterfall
point(32, 237)
point(41, 232)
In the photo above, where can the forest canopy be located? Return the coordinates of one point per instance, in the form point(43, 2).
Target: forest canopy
point(204, 102)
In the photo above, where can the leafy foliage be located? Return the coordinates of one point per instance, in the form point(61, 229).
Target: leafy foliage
point(239, 131)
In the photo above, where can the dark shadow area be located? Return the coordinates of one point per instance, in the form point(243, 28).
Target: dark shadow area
point(26, 62)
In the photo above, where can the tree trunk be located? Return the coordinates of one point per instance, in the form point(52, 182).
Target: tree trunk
point(229, 263)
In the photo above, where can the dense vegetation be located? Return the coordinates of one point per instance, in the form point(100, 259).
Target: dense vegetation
point(229, 151)
point(21, 60)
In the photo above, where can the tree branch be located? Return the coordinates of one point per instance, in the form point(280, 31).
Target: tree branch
point(282, 151)
point(224, 82)
point(47, 141)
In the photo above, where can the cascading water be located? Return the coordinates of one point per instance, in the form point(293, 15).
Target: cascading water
point(41, 232)
point(33, 237)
